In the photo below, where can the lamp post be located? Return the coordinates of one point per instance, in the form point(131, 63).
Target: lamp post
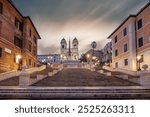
point(61, 56)
point(48, 61)
point(18, 61)
point(51, 59)
point(88, 56)
point(138, 62)
point(94, 58)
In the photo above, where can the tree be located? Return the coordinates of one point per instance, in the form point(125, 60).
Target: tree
point(83, 58)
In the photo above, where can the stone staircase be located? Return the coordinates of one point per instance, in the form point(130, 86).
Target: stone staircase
point(76, 93)
point(124, 76)
point(71, 64)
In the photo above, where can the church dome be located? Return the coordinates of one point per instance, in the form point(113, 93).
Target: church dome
point(63, 41)
point(75, 40)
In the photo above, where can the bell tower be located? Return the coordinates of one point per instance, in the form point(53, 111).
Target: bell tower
point(63, 44)
point(75, 52)
point(63, 48)
point(69, 53)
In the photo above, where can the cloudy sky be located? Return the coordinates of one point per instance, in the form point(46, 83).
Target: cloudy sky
point(87, 20)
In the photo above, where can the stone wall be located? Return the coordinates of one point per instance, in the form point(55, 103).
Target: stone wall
point(6, 75)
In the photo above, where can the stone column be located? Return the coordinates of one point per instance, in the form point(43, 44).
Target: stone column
point(132, 46)
point(145, 78)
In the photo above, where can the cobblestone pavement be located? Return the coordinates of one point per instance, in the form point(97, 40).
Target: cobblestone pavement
point(82, 77)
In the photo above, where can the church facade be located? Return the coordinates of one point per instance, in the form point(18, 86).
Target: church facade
point(69, 52)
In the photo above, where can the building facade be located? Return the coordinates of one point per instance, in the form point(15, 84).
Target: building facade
point(51, 58)
point(69, 53)
point(94, 54)
point(18, 38)
point(107, 54)
point(131, 41)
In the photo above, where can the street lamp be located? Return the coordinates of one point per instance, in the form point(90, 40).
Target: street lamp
point(88, 56)
point(51, 59)
point(18, 61)
point(48, 61)
point(138, 62)
point(61, 57)
point(94, 58)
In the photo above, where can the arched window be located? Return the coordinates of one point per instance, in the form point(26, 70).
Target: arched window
point(63, 46)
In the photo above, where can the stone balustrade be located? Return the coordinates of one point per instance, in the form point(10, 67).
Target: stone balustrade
point(101, 71)
point(50, 74)
point(126, 77)
point(145, 78)
point(7, 75)
point(24, 77)
point(108, 73)
point(56, 70)
point(25, 80)
point(93, 70)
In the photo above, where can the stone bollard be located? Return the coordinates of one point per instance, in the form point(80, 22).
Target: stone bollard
point(55, 72)
point(60, 69)
point(24, 77)
point(39, 77)
point(92, 69)
point(108, 73)
point(145, 78)
point(101, 71)
point(50, 74)
point(62, 66)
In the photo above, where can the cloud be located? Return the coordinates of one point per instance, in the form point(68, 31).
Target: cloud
point(51, 49)
point(88, 20)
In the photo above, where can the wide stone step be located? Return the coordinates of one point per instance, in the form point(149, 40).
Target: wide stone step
point(75, 93)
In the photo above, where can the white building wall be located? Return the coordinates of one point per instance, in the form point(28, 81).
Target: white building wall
point(121, 64)
point(146, 57)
